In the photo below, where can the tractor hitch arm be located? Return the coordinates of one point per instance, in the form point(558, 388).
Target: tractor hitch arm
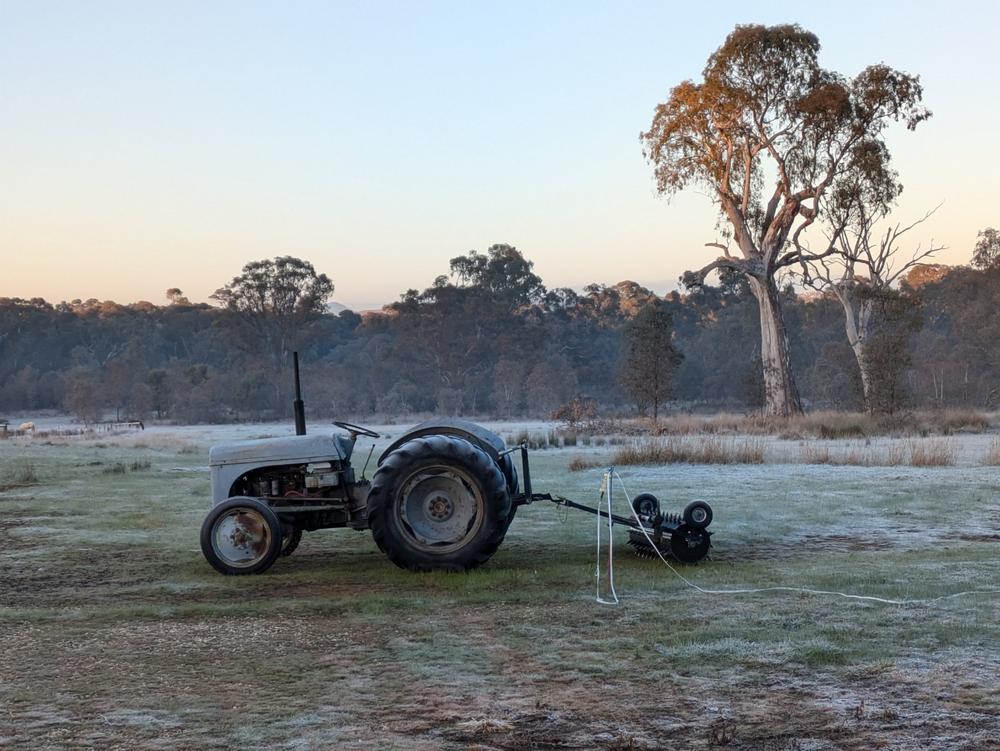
point(528, 496)
point(615, 518)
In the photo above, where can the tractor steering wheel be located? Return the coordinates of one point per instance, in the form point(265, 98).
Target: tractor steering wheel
point(356, 429)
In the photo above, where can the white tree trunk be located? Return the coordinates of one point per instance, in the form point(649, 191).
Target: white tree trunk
point(856, 323)
point(781, 397)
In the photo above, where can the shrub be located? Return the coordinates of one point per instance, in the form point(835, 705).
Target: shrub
point(577, 411)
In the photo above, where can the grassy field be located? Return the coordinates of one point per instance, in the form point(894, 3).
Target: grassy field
point(115, 633)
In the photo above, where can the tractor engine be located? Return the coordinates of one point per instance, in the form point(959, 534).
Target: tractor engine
point(327, 479)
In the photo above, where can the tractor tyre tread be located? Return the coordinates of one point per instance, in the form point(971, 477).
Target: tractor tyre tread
point(446, 450)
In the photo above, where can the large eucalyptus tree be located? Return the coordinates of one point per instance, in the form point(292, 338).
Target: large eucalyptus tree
point(769, 133)
point(273, 302)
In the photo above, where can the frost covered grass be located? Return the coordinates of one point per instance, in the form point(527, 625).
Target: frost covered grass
point(113, 622)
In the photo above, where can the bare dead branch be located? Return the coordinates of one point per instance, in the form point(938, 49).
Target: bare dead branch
point(697, 278)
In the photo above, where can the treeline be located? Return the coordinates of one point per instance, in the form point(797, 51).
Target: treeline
point(487, 339)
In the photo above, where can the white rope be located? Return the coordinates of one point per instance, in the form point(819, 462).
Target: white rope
point(801, 590)
point(606, 491)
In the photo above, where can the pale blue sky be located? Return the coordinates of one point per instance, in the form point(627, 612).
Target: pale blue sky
point(149, 145)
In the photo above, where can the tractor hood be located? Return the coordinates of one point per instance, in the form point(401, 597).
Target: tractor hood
point(295, 449)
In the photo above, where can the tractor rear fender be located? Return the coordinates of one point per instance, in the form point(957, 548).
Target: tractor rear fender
point(475, 434)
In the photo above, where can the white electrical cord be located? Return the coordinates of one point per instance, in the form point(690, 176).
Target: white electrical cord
point(760, 590)
point(606, 490)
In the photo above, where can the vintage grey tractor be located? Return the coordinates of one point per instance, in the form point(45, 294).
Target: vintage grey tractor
point(443, 496)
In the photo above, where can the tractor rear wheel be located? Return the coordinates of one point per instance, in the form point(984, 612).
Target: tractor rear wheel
point(438, 502)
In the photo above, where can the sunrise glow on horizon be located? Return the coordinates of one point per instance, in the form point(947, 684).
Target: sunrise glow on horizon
point(147, 146)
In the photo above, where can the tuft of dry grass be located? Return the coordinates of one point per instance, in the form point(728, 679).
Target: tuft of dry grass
point(949, 421)
point(854, 455)
point(815, 424)
point(485, 726)
point(580, 463)
point(123, 468)
point(21, 472)
point(813, 454)
point(914, 453)
point(992, 456)
point(932, 453)
point(896, 455)
point(829, 425)
point(144, 442)
point(702, 450)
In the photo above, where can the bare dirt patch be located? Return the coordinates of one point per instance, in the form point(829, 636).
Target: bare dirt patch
point(969, 537)
point(265, 681)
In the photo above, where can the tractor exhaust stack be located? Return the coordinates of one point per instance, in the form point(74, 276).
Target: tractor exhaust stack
point(298, 406)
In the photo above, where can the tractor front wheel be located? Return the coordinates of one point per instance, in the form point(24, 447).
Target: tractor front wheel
point(241, 535)
point(438, 502)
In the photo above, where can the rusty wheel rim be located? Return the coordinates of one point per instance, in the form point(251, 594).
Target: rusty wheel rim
point(241, 537)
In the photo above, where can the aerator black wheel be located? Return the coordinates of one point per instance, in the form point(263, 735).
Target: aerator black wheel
point(646, 504)
point(690, 545)
point(698, 514)
point(241, 535)
point(438, 502)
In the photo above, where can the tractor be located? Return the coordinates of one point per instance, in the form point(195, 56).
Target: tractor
point(442, 496)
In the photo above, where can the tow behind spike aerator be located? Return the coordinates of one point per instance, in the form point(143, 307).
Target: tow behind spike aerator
point(442, 497)
point(682, 536)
